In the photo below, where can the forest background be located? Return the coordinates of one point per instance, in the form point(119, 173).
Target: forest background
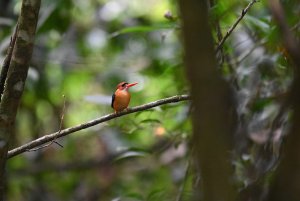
point(236, 140)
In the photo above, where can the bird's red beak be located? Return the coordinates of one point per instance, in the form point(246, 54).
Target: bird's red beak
point(131, 84)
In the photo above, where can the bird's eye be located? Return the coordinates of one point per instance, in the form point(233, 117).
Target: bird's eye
point(123, 85)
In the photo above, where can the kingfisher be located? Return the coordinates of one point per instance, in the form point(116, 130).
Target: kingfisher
point(121, 97)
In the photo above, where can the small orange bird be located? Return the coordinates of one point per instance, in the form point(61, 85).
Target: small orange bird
point(121, 97)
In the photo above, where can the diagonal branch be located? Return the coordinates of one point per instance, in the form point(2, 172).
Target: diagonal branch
point(230, 30)
point(67, 131)
point(86, 165)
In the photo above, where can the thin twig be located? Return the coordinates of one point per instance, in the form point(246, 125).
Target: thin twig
point(60, 128)
point(6, 61)
point(47, 138)
point(230, 30)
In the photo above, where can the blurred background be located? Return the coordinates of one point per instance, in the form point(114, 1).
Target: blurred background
point(83, 49)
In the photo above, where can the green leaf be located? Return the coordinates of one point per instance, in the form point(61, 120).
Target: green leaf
point(157, 194)
point(131, 154)
point(150, 121)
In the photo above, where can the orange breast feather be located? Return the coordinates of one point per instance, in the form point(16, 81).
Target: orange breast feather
point(121, 100)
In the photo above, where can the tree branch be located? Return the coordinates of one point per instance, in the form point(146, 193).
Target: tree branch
point(81, 165)
point(230, 30)
point(67, 131)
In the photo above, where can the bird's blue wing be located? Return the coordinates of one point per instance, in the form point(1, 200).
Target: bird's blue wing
point(112, 100)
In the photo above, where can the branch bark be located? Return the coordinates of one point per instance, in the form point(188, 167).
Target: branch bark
point(16, 76)
point(214, 113)
point(48, 138)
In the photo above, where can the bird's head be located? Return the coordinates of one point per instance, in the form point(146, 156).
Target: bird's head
point(125, 85)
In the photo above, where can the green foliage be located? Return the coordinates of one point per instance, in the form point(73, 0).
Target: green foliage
point(83, 50)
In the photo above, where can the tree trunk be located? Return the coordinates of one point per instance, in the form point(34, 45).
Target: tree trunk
point(16, 76)
point(214, 112)
point(286, 182)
